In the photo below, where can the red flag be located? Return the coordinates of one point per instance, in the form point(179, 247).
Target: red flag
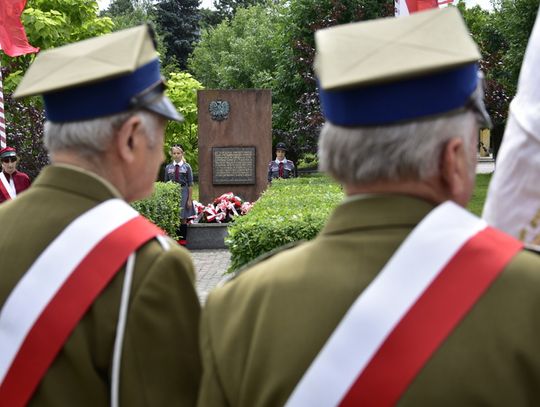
point(426, 4)
point(406, 7)
point(12, 36)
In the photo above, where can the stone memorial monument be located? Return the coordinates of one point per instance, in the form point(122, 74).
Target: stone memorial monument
point(235, 142)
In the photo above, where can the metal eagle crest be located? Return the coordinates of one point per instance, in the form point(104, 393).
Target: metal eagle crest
point(219, 110)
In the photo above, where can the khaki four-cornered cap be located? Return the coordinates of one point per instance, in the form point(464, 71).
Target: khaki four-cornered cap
point(88, 61)
point(391, 49)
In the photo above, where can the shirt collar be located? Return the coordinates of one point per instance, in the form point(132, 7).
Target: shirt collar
point(8, 176)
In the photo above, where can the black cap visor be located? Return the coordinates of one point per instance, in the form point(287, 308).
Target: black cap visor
point(154, 99)
point(476, 103)
point(8, 154)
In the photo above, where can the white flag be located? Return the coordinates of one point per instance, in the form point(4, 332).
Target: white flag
point(513, 199)
point(402, 9)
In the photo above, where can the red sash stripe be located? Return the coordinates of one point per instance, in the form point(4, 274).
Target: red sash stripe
point(4, 191)
point(77, 294)
point(432, 318)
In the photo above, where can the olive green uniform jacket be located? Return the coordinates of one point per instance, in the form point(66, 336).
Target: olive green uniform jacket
point(160, 360)
point(261, 331)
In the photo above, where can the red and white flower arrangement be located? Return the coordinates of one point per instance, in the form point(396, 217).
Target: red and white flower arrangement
point(222, 210)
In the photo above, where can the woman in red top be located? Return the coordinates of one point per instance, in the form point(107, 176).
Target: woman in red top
point(12, 182)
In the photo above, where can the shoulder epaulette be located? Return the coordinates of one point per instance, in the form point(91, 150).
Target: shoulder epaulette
point(534, 248)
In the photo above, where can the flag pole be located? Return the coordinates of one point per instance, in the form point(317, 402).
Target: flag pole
point(3, 141)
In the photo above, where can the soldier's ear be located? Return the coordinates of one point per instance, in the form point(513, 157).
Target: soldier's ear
point(126, 139)
point(455, 170)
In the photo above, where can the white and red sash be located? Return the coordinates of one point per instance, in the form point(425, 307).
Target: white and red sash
point(54, 294)
point(389, 333)
point(7, 188)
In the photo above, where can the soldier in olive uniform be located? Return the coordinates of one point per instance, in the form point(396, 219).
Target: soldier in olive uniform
point(98, 307)
point(404, 298)
point(281, 167)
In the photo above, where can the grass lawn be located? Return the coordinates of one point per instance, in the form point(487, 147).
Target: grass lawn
point(475, 206)
point(479, 194)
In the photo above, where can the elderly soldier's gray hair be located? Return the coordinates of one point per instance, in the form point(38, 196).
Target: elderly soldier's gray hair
point(410, 151)
point(92, 137)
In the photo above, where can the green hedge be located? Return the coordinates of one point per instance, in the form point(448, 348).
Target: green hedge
point(162, 207)
point(288, 211)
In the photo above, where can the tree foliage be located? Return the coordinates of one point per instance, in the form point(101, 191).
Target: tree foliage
point(240, 53)
point(178, 24)
point(129, 13)
point(48, 23)
point(120, 7)
point(182, 90)
point(271, 46)
point(226, 9)
point(209, 18)
point(502, 36)
point(24, 125)
point(486, 33)
point(258, 44)
point(52, 23)
point(515, 19)
point(300, 112)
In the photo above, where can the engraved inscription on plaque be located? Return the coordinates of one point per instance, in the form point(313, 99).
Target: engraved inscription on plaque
point(233, 165)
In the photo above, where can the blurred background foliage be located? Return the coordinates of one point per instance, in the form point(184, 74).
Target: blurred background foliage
point(241, 44)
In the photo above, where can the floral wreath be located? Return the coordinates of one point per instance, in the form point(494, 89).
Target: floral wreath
point(222, 210)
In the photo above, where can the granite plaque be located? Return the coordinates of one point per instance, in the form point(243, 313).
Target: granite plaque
point(234, 152)
point(233, 165)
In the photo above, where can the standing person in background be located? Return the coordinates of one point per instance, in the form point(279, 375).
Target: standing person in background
point(98, 306)
point(180, 172)
point(12, 182)
point(281, 167)
point(404, 298)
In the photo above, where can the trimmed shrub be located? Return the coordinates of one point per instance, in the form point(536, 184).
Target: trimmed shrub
point(162, 208)
point(308, 161)
point(288, 211)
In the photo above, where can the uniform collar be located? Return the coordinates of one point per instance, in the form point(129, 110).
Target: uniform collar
point(9, 176)
point(376, 211)
point(75, 179)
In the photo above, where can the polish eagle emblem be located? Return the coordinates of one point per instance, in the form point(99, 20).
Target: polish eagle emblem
point(219, 109)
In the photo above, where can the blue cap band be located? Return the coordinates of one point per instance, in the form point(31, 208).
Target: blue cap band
point(400, 101)
point(100, 98)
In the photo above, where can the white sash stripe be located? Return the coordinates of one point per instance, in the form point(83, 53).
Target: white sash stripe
point(373, 316)
point(50, 270)
point(120, 331)
point(10, 186)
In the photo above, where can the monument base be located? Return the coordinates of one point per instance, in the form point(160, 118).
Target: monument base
point(207, 236)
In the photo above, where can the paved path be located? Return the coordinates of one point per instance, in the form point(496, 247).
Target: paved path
point(210, 266)
point(485, 166)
